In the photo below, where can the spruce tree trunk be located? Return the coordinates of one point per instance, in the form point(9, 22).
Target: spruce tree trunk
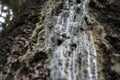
point(23, 54)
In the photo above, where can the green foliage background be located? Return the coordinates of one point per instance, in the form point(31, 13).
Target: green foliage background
point(12, 5)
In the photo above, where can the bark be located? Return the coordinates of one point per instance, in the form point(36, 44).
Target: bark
point(107, 13)
point(21, 49)
point(22, 53)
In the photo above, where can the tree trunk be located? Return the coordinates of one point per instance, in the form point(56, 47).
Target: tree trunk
point(47, 35)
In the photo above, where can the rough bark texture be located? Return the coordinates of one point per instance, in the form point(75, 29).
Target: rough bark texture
point(22, 55)
point(107, 13)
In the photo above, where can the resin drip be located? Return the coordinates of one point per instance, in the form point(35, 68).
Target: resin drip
point(71, 50)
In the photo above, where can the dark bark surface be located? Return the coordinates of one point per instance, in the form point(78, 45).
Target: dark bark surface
point(108, 15)
point(14, 45)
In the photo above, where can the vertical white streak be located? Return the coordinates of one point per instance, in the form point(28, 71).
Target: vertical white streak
point(73, 52)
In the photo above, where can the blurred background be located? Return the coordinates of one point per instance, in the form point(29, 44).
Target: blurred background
point(8, 9)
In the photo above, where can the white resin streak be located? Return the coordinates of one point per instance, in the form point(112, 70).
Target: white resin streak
point(72, 51)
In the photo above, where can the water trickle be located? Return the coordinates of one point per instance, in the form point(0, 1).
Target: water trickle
point(72, 52)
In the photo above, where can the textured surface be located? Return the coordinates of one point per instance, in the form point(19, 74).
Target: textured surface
point(22, 51)
point(107, 13)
